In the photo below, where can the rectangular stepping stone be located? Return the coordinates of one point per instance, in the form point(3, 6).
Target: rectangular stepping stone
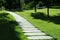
point(39, 38)
point(31, 31)
point(30, 28)
point(34, 34)
point(27, 26)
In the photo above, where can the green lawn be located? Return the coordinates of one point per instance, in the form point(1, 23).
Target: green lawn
point(9, 29)
point(52, 28)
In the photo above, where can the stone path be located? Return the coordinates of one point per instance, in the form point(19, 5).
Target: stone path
point(29, 30)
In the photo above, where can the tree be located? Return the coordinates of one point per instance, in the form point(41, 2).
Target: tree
point(48, 5)
point(1, 3)
point(13, 4)
point(35, 4)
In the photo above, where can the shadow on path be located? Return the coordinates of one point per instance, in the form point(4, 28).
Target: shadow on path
point(7, 28)
point(39, 15)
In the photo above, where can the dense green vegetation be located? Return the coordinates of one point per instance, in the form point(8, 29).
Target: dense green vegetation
point(9, 29)
point(27, 4)
point(49, 26)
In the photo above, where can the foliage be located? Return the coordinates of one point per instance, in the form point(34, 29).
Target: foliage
point(27, 4)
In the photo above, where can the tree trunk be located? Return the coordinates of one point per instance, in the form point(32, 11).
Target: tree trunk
point(48, 11)
point(48, 5)
point(35, 6)
point(20, 5)
point(48, 14)
point(35, 9)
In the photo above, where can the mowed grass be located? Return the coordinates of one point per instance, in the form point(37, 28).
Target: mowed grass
point(9, 29)
point(50, 28)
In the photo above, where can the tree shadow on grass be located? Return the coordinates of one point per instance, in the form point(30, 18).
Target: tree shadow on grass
point(39, 15)
point(7, 28)
point(55, 19)
point(14, 10)
point(55, 7)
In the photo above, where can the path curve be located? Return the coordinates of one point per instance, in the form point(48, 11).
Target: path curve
point(29, 30)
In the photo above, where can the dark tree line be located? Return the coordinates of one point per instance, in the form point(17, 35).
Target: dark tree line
point(10, 4)
point(27, 4)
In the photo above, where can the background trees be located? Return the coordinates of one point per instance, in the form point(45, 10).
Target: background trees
point(1, 3)
point(27, 4)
